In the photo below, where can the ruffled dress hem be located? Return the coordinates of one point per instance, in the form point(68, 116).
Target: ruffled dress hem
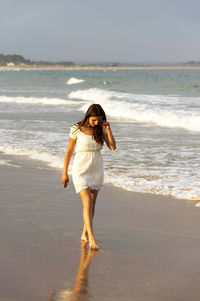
point(93, 187)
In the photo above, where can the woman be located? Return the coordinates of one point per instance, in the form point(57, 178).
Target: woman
point(89, 135)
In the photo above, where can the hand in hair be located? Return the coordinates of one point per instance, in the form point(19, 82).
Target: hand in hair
point(105, 124)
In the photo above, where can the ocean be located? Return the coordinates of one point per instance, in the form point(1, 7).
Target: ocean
point(154, 115)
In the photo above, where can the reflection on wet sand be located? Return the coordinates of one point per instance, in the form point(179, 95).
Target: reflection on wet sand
point(80, 291)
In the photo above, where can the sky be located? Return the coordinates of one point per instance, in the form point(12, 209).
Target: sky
point(86, 31)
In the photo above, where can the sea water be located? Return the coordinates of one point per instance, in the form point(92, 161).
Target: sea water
point(154, 115)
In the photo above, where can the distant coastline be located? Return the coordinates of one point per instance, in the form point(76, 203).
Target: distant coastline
point(77, 67)
point(18, 62)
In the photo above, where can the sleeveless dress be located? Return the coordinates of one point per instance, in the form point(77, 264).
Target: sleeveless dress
point(87, 168)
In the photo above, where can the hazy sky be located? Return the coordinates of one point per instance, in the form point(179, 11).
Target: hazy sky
point(101, 30)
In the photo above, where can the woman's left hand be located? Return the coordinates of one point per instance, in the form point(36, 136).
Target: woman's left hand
point(105, 124)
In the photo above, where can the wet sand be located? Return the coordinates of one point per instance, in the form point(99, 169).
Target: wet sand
point(149, 245)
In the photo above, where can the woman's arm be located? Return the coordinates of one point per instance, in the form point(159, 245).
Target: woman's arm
point(68, 155)
point(108, 136)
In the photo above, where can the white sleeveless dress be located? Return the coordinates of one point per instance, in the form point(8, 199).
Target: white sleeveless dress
point(87, 168)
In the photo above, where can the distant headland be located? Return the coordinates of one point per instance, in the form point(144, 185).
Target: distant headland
point(16, 61)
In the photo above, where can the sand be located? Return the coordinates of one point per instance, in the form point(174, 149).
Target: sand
point(149, 245)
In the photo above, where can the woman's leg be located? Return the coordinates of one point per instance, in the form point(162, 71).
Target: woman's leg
point(94, 194)
point(88, 211)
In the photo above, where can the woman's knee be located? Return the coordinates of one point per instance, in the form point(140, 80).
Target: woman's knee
point(94, 194)
point(86, 199)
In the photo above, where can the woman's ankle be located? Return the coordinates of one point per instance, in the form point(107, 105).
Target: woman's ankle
point(92, 239)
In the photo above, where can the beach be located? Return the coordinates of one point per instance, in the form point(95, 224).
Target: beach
point(149, 244)
point(146, 222)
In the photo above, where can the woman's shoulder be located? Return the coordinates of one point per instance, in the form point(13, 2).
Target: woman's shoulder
point(74, 130)
point(75, 127)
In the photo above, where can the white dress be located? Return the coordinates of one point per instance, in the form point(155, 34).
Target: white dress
point(87, 168)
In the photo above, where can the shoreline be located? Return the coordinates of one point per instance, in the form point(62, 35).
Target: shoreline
point(164, 67)
point(149, 244)
point(20, 161)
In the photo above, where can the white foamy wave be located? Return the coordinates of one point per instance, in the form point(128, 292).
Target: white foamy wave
point(158, 185)
point(52, 160)
point(4, 162)
point(145, 183)
point(74, 81)
point(103, 95)
point(41, 101)
point(198, 204)
point(142, 108)
point(7, 163)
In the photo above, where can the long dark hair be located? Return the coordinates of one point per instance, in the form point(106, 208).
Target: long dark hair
point(94, 110)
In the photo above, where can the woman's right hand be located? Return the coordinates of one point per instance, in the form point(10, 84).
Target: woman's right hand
point(65, 179)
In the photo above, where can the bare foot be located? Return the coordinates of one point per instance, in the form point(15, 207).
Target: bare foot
point(93, 245)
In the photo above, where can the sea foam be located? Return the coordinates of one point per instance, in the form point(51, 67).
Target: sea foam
point(159, 110)
point(74, 81)
point(52, 160)
point(141, 182)
point(36, 100)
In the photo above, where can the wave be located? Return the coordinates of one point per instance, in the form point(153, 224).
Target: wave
point(159, 110)
point(161, 185)
point(37, 100)
point(52, 160)
point(74, 81)
point(104, 95)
